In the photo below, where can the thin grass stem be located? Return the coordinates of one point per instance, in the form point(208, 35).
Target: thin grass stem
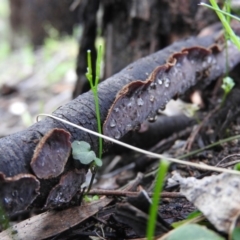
point(224, 21)
point(162, 171)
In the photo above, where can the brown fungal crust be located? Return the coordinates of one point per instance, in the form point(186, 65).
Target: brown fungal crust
point(68, 186)
point(18, 192)
point(139, 100)
point(51, 154)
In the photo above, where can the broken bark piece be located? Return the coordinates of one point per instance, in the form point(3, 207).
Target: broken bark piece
point(51, 223)
point(66, 189)
point(51, 154)
point(18, 192)
point(139, 100)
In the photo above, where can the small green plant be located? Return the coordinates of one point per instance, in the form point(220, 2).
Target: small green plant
point(82, 151)
point(90, 199)
point(4, 220)
point(94, 86)
point(192, 217)
point(162, 170)
point(225, 21)
point(192, 231)
point(235, 234)
point(227, 86)
point(225, 17)
point(237, 167)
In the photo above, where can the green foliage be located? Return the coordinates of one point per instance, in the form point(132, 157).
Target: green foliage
point(227, 86)
point(236, 233)
point(194, 214)
point(189, 218)
point(94, 86)
point(82, 151)
point(90, 199)
point(162, 170)
point(237, 167)
point(192, 231)
point(4, 221)
point(221, 14)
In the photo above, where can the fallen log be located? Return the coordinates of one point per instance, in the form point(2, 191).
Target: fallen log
point(196, 59)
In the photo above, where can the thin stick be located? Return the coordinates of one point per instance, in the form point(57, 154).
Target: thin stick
point(132, 194)
point(155, 155)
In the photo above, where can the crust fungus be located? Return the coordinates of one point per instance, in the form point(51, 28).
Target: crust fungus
point(51, 154)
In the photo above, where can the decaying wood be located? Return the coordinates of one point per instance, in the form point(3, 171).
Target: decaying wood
point(49, 224)
point(17, 150)
point(140, 100)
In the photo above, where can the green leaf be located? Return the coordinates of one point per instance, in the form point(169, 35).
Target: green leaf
point(81, 151)
point(237, 167)
point(80, 146)
point(236, 233)
point(90, 199)
point(162, 171)
point(228, 84)
point(98, 162)
point(194, 214)
point(188, 219)
point(193, 231)
point(95, 198)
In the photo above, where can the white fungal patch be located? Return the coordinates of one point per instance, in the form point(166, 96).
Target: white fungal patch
point(140, 102)
point(117, 134)
point(129, 127)
point(116, 110)
point(167, 83)
point(160, 81)
point(153, 85)
point(204, 64)
point(152, 98)
point(209, 59)
point(129, 105)
point(113, 123)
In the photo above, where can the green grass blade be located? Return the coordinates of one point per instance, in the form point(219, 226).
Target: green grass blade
point(220, 11)
point(98, 69)
point(94, 88)
point(89, 69)
point(224, 21)
point(162, 170)
point(98, 65)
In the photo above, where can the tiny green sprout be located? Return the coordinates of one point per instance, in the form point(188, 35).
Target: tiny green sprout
point(4, 220)
point(235, 234)
point(94, 86)
point(91, 199)
point(162, 171)
point(227, 86)
point(82, 151)
point(237, 167)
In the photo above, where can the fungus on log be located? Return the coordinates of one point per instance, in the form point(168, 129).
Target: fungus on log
point(188, 62)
